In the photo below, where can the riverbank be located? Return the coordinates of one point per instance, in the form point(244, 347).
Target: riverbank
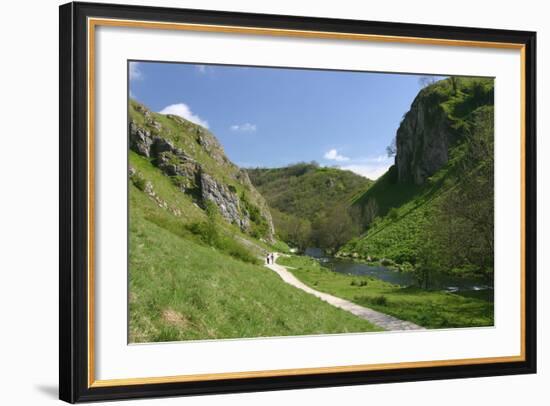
point(381, 320)
point(427, 308)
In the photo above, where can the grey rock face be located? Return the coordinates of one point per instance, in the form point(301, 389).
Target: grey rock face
point(211, 145)
point(423, 140)
point(227, 201)
point(190, 176)
point(244, 179)
point(140, 140)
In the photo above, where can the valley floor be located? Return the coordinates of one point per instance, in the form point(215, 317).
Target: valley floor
point(381, 320)
point(426, 308)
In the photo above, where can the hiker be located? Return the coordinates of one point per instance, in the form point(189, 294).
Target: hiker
point(272, 258)
point(267, 258)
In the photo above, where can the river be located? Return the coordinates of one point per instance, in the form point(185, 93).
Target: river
point(439, 281)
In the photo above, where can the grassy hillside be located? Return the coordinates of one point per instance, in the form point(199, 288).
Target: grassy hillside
point(305, 189)
point(448, 219)
point(403, 212)
point(194, 275)
point(181, 288)
point(301, 196)
point(196, 164)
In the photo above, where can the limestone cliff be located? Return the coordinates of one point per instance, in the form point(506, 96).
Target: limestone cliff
point(196, 163)
point(437, 119)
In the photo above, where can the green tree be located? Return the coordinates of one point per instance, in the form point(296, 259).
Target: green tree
point(332, 229)
point(370, 212)
point(461, 234)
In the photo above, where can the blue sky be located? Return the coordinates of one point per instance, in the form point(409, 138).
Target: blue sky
point(272, 117)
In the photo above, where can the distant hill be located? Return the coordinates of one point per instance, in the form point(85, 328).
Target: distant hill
point(441, 186)
point(300, 196)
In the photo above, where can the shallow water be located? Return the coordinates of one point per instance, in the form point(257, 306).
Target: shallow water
point(440, 281)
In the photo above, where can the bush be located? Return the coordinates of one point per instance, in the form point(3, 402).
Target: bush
point(259, 227)
point(379, 300)
point(386, 262)
point(209, 233)
point(206, 231)
point(359, 283)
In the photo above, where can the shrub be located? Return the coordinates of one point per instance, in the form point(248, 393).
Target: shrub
point(379, 300)
point(259, 227)
point(209, 233)
point(359, 283)
point(386, 262)
point(206, 231)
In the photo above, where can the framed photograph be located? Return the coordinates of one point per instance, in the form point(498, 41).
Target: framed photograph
point(257, 202)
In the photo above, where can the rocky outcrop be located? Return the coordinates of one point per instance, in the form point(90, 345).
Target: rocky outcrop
point(195, 178)
point(140, 140)
point(243, 178)
point(422, 141)
point(228, 202)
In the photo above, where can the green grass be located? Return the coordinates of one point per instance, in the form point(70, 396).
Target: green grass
point(404, 210)
point(430, 309)
point(189, 212)
point(192, 139)
point(182, 289)
point(280, 246)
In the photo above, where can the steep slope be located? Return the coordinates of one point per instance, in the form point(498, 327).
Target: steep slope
point(194, 271)
point(439, 118)
point(441, 183)
point(181, 289)
point(301, 195)
point(197, 165)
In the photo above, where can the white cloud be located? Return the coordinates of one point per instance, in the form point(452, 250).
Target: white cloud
point(368, 171)
point(244, 128)
point(333, 155)
point(370, 167)
point(135, 72)
point(183, 110)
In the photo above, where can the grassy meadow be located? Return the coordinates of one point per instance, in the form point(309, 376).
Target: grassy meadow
point(427, 308)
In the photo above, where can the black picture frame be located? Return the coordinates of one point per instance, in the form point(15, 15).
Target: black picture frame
point(74, 199)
